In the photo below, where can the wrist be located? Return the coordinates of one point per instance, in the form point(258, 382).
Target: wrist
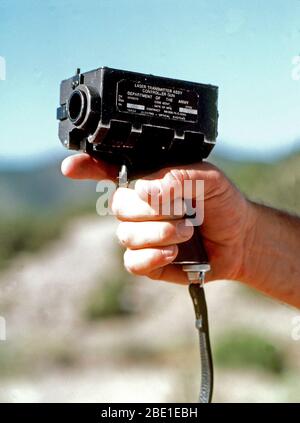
point(249, 265)
point(271, 246)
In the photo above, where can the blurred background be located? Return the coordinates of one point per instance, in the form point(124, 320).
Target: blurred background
point(78, 327)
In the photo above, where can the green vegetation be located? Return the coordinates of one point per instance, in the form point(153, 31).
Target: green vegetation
point(246, 349)
point(36, 204)
point(108, 298)
point(276, 184)
point(26, 358)
point(28, 233)
point(12, 361)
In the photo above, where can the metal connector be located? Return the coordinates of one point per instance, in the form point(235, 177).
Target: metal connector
point(196, 272)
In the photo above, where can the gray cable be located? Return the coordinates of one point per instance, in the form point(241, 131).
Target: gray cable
point(197, 293)
point(198, 297)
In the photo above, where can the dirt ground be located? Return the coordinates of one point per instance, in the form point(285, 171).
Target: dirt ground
point(53, 354)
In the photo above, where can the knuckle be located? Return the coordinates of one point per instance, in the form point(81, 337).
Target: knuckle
point(218, 182)
point(167, 253)
point(166, 231)
point(130, 270)
point(177, 175)
point(130, 265)
point(115, 204)
point(216, 176)
point(133, 270)
point(119, 203)
point(122, 234)
point(156, 274)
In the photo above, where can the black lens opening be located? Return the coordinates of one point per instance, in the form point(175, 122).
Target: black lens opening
point(76, 106)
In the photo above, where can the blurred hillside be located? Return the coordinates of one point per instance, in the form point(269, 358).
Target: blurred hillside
point(79, 328)
point(43, 189)
point(37, 202)
point(275, 183)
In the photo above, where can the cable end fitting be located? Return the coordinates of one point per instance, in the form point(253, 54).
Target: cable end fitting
point(196, 272)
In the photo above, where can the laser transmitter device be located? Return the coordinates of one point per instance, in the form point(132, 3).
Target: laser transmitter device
point(142, 123)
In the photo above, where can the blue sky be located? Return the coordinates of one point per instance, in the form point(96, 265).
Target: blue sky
point(244, 47)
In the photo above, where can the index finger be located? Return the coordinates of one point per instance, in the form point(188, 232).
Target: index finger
point(83, 166)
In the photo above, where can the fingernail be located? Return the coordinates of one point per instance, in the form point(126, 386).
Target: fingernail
point(169, 251)
point(184, 229)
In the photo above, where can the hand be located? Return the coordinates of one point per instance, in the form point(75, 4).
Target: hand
point(151, 239)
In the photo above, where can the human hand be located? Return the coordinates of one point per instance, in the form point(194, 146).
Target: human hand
point(151, 239)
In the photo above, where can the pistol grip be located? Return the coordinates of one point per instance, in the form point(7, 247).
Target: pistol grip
point(192, 251)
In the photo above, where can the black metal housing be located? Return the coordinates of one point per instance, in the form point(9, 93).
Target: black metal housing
point(143, 121)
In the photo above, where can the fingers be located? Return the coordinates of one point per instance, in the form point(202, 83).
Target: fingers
point(151, 242)
point(147, 260)
point(173, 180)
point(170, 273)
point(155, 263)
point(158, 184)
point(136, 235)
point(83, 166)
point(126, 204)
